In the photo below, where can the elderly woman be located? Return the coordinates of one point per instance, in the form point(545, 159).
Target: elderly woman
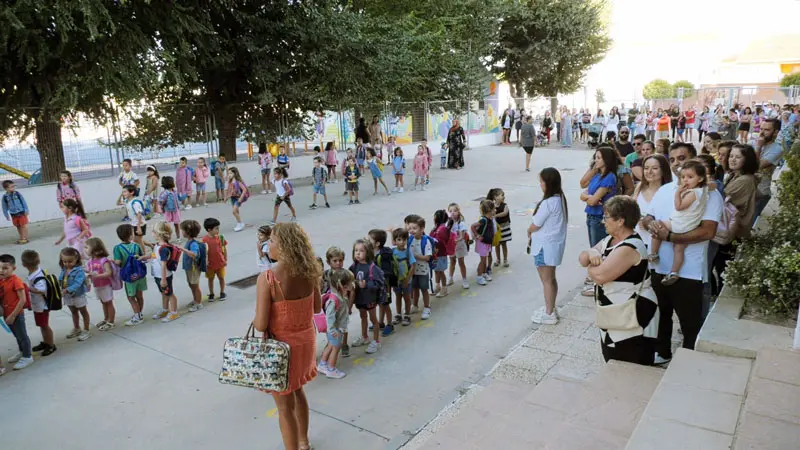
point(527, 137)
point(287, 296)
point(627, 309)
point(455, 144)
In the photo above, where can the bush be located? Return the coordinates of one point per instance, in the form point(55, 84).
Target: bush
point(767, 268)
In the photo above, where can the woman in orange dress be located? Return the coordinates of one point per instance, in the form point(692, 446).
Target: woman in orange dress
point(287, 296)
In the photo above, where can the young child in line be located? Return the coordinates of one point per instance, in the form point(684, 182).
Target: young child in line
point(220, 177)
point(133, 290)
point(170, 203)
point(361, 155)
point(38, 289)
point(217, 258)
point(99, 269)
point(151, 191)
point(389, 146)
point(13, 300)
point(73, 291)
point(483, 230)
point(405, 270)
point(264, 261)
point(201, 175)
point(157, 259)
point(368, 293)
point(284, 192)
point(384, 258)
point(238, 193)
point(376, 169)
point(398, 169)
point(461, 249)
point(194, 261)
point(443, 156)
point(429, 154)
point(690, 205)
point(16, 211)
point(351, 176)
point(265, 163)
point(502, 219)
point(76, 227)
point(283, 160)
point(335, 257)
point(126, 177)
point(420, 169)
point(421, 246)
point(67, 188)
point(337, 317)
point(183, 184)
point(331, 161)
point(350, 153)
point(320, 177)
point(444, 239)
point(135, 209)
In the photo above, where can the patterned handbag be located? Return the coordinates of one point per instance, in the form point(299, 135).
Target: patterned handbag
point(255, 362)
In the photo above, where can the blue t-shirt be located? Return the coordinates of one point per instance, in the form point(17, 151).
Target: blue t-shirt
point(405, 259)
point(398, 164)
point(598, 181)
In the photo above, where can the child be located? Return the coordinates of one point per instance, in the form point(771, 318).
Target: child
point(192, 264)
point(183, 184)
point(350, 153)
point(67, 188)
point(135, 209)
point(376, 168)
point(265, 163)
point(456, 224)
point(384, 258)
point(133, 290)
point(337, 318)
point(368, 293)
point(335, 258)
point(283, 160)
point(502, 218)
point(443, 156)
point(162, 250)
point(127, 177)
point(13, 300)
point(420, 169)
point(429, 155)
point(681, 127)
point(483, 230)
point(169, 201)
point(238, 193)
point(421, 246)
point(320, 177)
point(284, 192)
point(442, 233)
point(38, 289)
point(100, 272)
point(73, 291)
point(264, 261)
point(398, 169)
point(351, 176)
point(405, 270)
point(217, 258)
point(151, 191)
point(690, 204)
point(16, 210)
point(220, 177)
point(330, 161)
point(76, 227)
point(389, 146)
point(361, 155)
point(200, 176)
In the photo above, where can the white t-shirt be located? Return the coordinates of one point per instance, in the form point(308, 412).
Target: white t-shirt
point(134, 207)
point(128, 178)
point(459, 227)
point(689, 219)
point(422, 267)
point(264, 262)
point(155, 263)
point(551, 238)
point(644, 207)
point(695, 262)
point(280, 187)
point(38, 303)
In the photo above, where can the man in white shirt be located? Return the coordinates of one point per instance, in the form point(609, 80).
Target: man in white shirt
point(685, 297)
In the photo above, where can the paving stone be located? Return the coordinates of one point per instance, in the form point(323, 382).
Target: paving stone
point(756, 432)
point(711, 410)
point(774, 399)
point(574, 437)
point(514, 373)
point(708, 371)
point(663, 434)
point(559, 394)
point(586, 350)
point(631, 381)
point(778, 365)
point(575, 368)
point(591, 334)
point(580, 300)
point(618, 415)
point(579, 313)
point(550, 342)
point(532, 359)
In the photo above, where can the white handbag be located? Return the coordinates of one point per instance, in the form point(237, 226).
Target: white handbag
point(620, 316)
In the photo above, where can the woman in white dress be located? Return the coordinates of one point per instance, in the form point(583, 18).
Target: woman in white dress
point(612, 124)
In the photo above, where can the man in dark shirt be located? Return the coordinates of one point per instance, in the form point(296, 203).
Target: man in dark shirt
point(632, 113)
point(624, 146)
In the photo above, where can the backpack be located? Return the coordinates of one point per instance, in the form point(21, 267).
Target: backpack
point(289, 188)
point(79, 221)
point(244, 192)
point(213, 167)
point(146, 212)
point(320, 319)
point(201, 262)
point(403, 268)
point(116, 281)
point(52, 295)
point(389, 264)
point(170, 202)
point(174, 257)
point(486, 235)
point(132, 269)
point(434, 250)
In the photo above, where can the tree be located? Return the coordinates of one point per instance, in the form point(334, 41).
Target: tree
point(688, 88)
point(658, 89)
point(547, 47)
point(599, 97)
point(792, 79)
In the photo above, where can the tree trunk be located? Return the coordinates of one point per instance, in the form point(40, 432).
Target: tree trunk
point(50, 147)
point(553, 106)
point(226, 127)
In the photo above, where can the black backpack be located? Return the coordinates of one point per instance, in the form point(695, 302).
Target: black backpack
point(52, 296)
point(389, 265)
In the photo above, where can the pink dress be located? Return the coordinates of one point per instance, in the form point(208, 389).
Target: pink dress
point(72, 229)
point(421, 165)
point(330, 158)
point(183, 180)
point(170, 216)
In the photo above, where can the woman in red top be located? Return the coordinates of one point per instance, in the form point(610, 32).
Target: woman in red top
point(690, 119)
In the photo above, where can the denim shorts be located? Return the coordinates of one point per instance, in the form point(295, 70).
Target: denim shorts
point(538, 260)
point(200, 187)
point(235, 201)
point(219, 183)
point(402, 290)
point(319, 189)
point(335, 342)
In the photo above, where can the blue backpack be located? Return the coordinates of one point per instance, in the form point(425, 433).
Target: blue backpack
point(132, 269)
point(170, 203)
point(433, 242)
point(147, 213)
point(201, 262)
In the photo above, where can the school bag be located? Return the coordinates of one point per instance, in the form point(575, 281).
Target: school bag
point(81, 221)
point(403, 267)
point(201, 262)
point(485, 234)
point(52, 295)
point(430, 241)
point(289, 188)
point(174, 257)
point(389, 264)
point(146, 213)
point(320, 319)
point(132, 269)
point(170, 202)
point(116, 281)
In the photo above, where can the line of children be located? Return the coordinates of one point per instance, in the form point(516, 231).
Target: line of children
point(13, 300)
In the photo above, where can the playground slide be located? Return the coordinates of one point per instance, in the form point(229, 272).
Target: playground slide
point(8, 168)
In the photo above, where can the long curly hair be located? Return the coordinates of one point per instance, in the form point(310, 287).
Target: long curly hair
point(296, 254)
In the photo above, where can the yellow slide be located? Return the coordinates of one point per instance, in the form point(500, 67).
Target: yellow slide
point(8, 168)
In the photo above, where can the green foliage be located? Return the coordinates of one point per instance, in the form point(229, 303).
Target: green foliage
point(658, 89)
point(599, 96)
point(688, 87)
point(767, 268)
point(792, 79)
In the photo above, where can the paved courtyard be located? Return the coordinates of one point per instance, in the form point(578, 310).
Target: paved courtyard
point(155, 385)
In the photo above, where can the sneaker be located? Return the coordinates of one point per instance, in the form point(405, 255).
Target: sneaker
point(223, 296)
point(23, 363)
point(188, 207)
point(84, 335)
point(464, 285)
point(380, 326)
point(170, 317)
point(205, 205)
point(107, 326)
point(373, 347)
point(49, 350)
point(210, 298)
point(487, 277)
point(322, 367)
point(160, 315)
point(387, 330)
point(505, 263)
point(313, 206)
point(481, 281)
point(489, 270)
point(126, 219)
point(426, 314)
point(427, 181)
point(100, 324)
point(39, 347)
point(135, 320)
point(335, 373)
point(450, 282)
point(397, 319)
point(196, 307)
point(15, 358)
point(328, 206)
point(238, 227)
point(264, 192)
point(401, 190)
point(358, 202)
point(496, 264)
point(360, 342)
point(406, 321)
point(351, 202)
point(414, 309)
point(293, 219)
point(658, 360)
point(394, 189)
point(540, 316)
point(345, 351)
point(74, 333)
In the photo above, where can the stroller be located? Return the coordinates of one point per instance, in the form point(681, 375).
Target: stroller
point(543, 137)
point(594, 135)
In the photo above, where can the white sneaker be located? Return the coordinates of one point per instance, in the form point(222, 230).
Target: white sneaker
point(84, 336)
point(205, 205)
point(196, 307)
point(373, 347)
point(450, 282)
point(394, 189)
point(487, 277)
point(426, 314)
point(15, 358)
point(481, 281)
point(658, 360)
point(188, 207)
point(464, 285)
point(335, 373)
point(264, 192)
point(414, 309)
point(401, 190)
point(238, 227)
point(133, 321)
point(360, 342)
point(540, 316)
point(322, 367)
point(23, 363)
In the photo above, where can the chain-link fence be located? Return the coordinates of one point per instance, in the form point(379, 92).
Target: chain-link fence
point(730, 96)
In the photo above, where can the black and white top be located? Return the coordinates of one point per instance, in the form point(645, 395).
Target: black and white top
point(635, 281)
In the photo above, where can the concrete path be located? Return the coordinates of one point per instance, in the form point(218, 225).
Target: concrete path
point(155, 385)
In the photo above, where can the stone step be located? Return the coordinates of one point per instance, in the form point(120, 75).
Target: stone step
point(696, 405)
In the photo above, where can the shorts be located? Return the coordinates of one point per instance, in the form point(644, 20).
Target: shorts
point(19, 220)
point(285, 199)
point(528, 150)
point(538, 260)
point(368, 306)
point(441, 264)
point(165, 290)
point(461, 249)
point(193, 276)
point(210, 274)
point(319, 189)
point(351, 187)
point(680, 131)
point(183, 196)
point(400, 290)
point(482, 248)
point(422, 282)
point(104, 293)
point(200, 187)
point(139, 285)
point(219, 184)
point(333, 341)
point(235, 201)
point(265, 171)
point(331, 166)
point(143, 233)
point(75, 302)
point(42, 319)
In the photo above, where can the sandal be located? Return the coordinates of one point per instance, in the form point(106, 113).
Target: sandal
point(22, 242)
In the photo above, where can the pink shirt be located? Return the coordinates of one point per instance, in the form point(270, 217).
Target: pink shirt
point(95, 267)
point(201, 174)
point(183, 180)
point(421, 165)
point(65, 191)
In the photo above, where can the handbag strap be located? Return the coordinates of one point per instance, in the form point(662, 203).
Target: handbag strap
point(604, 247)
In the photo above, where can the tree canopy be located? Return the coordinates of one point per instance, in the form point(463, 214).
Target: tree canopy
point(657, 89)
point(688, 88)
point(792, 79)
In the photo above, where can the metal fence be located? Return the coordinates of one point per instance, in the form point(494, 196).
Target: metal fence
point(729, 96)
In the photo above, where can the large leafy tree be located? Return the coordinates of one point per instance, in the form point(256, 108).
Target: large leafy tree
point(658, 89)
point(546, 47)
point(688, 88)
point(792, 79)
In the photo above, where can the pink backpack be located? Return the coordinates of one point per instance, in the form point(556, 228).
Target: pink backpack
point(116, 280)
point(320, 320)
